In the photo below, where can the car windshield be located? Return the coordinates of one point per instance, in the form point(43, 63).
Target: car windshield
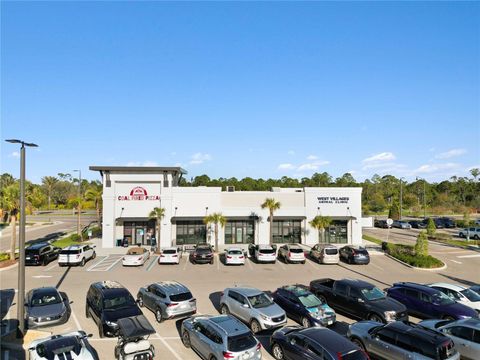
point(45, 298)
point(168, 252)
point(235, 252)
point(471, 295)
point(361, 251)
point(181, 297)
point(31, 251)
point(241, 342)
point(373, 293)
point(69, 252)
point(309, 300)
point(441, 299)
point(331, 251)
point(119, 302)
point(266, 251)
point(260, 301)
point(296, 250)
point(203, 250)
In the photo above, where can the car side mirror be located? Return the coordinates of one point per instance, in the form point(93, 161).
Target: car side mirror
point(70, 302)
point(245, 306)
point(359, 300)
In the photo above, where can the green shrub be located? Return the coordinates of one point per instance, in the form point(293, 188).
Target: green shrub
point(431, 228)
point(406, 253)
point(4, 256)
point(421, 246)
point(442, 236)
point(96, 232)
point(372, 239)
point(394, 212)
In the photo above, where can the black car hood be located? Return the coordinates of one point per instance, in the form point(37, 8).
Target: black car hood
point(387, 304)
point(114, 315)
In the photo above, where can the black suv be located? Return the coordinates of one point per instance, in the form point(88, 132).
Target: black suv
point(202, 254)
point(41, 254)
point(106, 303)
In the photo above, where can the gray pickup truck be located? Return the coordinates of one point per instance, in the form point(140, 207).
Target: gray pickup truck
point(359, 299)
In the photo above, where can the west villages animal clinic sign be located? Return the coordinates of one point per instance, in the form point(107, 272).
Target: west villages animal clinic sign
point(138, 193)
point(333, 199)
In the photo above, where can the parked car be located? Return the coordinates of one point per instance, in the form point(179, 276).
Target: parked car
point(381, 224)
point(416, 224)
point(136, 256)
point(464, 333)
point(472, 233)
point(41, 254)
point(298, 343)
point(426, 302)
point(447, 222)
point(460, 294)
point(399, 341)
point(170, 255)
point(76, 255)
point(401, 225)
point(46, 306)
point(355, 255)
point(359, 299)
point(253, 307)
point(291, 253)
point(325, 254)
point(263, 253)
point(72, 345)
point(303, 306)
point(220, 337)
point(167, 299)
point(438, 222)
point(106, 302)
point(234, 256)
point(202, 254)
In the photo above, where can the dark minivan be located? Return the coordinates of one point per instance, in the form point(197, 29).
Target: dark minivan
point(106, 303)
point(426, 302)
point(41, 254)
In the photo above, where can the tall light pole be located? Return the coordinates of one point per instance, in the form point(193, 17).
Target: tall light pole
point(401, 196)
point(21, 237)
point(79, 200)
point(424, 199)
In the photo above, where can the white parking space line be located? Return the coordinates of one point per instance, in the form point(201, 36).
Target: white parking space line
point(218, 261)
point(468, 256)
point(51, 267)
point(175, 354)
point(75, 320)
point(187, 260)
point(309, 262)
point(282, 265)
point(98, 263)
point(455, 261)
point(120, 258)
point(376, 266)
point(149, 267)
point(249, 262)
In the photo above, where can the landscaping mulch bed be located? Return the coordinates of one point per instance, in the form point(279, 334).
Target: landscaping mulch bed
point(6, 263)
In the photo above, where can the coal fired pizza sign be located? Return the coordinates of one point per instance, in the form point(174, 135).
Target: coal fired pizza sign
point(138, 193)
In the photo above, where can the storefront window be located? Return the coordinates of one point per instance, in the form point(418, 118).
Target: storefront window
point(336, 233)
point(139, 232)
point(287, 231)
point(239, 232)
point(191, 232)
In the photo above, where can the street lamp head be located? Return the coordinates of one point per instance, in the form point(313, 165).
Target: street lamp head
point(30, 144)
point(14, 141)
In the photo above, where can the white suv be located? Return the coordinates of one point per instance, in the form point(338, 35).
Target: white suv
point(76, 255)
point(472, 233)
point(263, 253)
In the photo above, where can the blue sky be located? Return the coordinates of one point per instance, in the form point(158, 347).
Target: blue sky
point(243, 89)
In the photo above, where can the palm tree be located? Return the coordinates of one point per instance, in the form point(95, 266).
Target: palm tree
point(77, 203)
point(49, 183)
point(11, 203)
point(271, 204)
point(157, 214)
point(320, 223)
point(94, 193)
point(216, 219)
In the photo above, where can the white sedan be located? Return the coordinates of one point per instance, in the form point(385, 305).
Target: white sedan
point(460, 294)
point(234, 256)
point(170, 255)
point(72, 345)
point(136, 256)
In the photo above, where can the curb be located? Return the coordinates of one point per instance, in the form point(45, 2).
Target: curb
point(469, 247)
point(9, 267)
point(417, 268)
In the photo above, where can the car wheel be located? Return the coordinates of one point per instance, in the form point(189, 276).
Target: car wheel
point(186, 339)
point(255, 326)
point(476, 237)
point(212, 358)
point(358, 343)
point(45, 262)
point(224, 310)
point(94, 255)
point(461, 235)
point(140, 301)
point(303, 262)
point(305, 322)
point(100, 331)
point(375, 317)
point(277, 352)
point(117, 352)
point(211, 262)
point(87, 314)
point(83, 262)
point(158, 315)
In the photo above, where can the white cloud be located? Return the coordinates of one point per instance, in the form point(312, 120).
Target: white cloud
point(286, 166)
point(312, 166)
point(451, 153)
point(199, 158)
point(384, 156)
point(145, 163)
point(435, 168)
point(312, 157)
point(15, 154)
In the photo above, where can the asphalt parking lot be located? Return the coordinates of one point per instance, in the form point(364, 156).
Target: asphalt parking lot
point(206, 283)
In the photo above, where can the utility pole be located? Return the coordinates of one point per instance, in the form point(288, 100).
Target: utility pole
point(424, 199)
point(79, 207)
point(21, 238)
point(401, 197)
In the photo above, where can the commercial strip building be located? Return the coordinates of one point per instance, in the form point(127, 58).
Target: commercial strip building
point(131, 193)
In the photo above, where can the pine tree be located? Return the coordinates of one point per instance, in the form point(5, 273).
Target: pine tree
point(431, 228)
point(421, 246)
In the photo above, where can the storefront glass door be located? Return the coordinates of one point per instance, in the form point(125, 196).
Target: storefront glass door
point(336, 233)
